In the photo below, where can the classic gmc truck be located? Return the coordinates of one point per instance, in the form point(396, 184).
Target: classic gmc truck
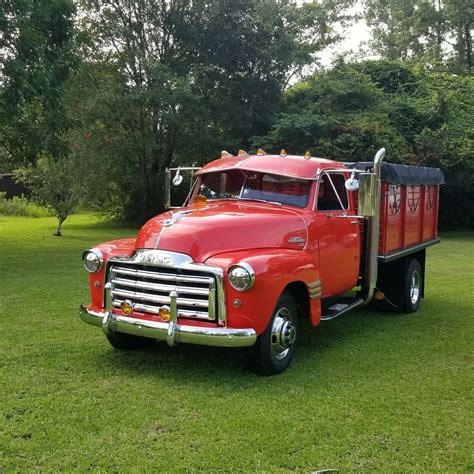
point(261, 242)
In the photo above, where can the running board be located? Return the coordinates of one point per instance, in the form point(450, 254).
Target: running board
point(337, 309)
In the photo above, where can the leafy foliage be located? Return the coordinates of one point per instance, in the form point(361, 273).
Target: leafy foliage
point(38, 57)
point(130, 88)
point(188, 78)
point(434, 32)
point(59, 185)
point(420, 117)
point(20, 206)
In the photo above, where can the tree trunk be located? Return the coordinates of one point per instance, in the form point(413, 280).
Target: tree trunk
point(468, 47)
point(58, 232)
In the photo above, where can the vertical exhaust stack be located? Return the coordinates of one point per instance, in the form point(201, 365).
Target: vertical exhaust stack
point(373, 229)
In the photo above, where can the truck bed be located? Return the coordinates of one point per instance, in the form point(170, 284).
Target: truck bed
point(408, 208)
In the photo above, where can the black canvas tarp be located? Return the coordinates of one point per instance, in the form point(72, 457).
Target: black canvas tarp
point(403, 174)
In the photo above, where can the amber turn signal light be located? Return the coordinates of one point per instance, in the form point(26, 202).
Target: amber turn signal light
point(165, 313)
point(126, 307)
point(199, 201)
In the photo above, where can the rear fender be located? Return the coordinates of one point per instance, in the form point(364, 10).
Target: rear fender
point(274, 269)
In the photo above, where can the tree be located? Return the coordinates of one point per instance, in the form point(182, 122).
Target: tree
point(38, 57)
point(37, 41)
point(420, 117)
point(434, 32)
point(190, 78)
point(58, 184)
point(338, 114)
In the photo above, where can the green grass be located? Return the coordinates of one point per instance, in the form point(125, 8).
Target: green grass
point(367, 392)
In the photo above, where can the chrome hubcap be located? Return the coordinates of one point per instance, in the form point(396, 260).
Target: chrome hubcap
point(415, 287)
point(283, 334)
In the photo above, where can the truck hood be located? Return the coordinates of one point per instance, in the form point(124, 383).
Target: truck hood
point(223, 227)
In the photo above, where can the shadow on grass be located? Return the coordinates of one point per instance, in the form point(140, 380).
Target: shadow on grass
point(227, 369)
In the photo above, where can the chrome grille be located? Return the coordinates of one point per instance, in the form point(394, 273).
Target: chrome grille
point(149, 286)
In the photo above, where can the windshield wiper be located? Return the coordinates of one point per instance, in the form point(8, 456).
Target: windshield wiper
point(260, 200)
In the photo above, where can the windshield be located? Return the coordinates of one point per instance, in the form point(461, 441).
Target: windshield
point(247, 185)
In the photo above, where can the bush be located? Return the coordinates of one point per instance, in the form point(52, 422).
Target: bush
point(20, 206)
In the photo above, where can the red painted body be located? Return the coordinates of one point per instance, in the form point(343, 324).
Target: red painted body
point(409, 215)
point(284, 244)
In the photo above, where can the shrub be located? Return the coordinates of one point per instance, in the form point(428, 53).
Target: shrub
point(20, 206)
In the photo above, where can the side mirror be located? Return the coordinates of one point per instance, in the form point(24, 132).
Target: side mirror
point(367, 194)
point(183, 173)
point(178, 179)
point(352, 184)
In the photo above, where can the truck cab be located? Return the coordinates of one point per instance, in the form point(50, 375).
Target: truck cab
point(261, 242)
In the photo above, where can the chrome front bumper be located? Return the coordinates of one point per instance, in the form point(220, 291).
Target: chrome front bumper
point(171, 332)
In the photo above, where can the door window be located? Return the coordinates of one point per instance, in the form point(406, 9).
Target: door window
point(332, 194)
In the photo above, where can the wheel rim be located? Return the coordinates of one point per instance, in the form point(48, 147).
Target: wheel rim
point(415, 287)
point(283, 333)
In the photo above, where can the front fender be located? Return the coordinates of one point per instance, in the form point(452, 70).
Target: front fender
point(113, 248)
point(274, 270)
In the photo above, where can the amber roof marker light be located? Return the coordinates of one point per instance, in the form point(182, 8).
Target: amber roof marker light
point(307, 155)
point(283, 152)
point(225, 154)
point(242, 153)
point(260, 152)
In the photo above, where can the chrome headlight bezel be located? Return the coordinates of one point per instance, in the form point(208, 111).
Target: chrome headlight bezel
point(241, 276)
point(95, 259)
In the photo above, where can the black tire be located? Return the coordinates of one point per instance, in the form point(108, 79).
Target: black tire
point(413, 287)
point(274, 349)
point(123, 342)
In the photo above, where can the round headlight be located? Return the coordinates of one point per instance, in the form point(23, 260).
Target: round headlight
point(93, 260)
point(241, 276)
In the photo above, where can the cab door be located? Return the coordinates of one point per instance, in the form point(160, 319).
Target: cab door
point(338, 235)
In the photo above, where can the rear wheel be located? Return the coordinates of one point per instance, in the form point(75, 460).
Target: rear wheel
point(413, 287)
point(401, 284)
point(121, 341)
point(274, 349)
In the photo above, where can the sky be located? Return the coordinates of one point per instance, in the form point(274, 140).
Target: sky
point(354, 38)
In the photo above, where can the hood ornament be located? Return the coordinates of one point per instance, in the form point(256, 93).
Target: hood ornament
point(175, 217)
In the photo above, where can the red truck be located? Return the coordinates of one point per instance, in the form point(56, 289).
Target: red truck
point(261, 242)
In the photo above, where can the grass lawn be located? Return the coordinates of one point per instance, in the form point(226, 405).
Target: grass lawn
point(369, 391)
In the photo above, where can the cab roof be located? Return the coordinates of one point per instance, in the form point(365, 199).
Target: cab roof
point(294, 166)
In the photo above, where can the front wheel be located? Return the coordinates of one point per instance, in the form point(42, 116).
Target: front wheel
point(274, 348)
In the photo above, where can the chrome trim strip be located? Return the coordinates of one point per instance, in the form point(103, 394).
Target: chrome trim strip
point(409, 250)
point(296, 240)
point(212, 301)
point(163, 276)
point(183, 261)
point(350, 307)
point(222, 337)
point(158, 299)
point(170, 337)
point(144, 285)
point(184, 313)
point(314, 284)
